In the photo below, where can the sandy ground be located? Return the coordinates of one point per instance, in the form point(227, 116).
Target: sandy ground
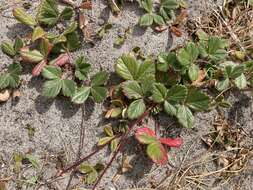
point(58, 123)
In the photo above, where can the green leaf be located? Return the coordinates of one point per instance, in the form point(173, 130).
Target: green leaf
point(241, 82)
point(146, 69)
point(234, 71)
point(81, 95)
point(114, 145)
point(98, 93)
point(193, 72)
point(48, 13)
point(170, 4)
point(99, 78)
point(45, 47)
point(18, 44)
point(132, 89)
point(223, 84)
point(51, 72)
point(147, 5)
point(90, 172)
point(104, 140)
point(8, 49)
point(108, 131)
point(52, 88)
point(177, 93)
point(67, 13)
point(127, 67)
point(136, 109)
point(32, 160)
point(23, 17)
point(146, 20)
point(68, 87)
point(11, 78)
point(189, 54)
point(31, 56)
point(158, 19)
point(38, 33)
point(197, 100)
point(185, 116)
point(159, 92)
point(170, 109)
point(157, 153)
point(73, 41)
point(81, 68)
point(71, 28)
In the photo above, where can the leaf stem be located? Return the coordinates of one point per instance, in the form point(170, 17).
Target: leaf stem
point(121, 144)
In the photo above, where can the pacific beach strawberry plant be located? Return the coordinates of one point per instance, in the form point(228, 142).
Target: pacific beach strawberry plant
point(179, 83)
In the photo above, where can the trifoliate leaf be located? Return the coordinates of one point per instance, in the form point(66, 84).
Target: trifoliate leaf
point(185, 116)
point(68, 87)
point(193, 72)
point(51, 72)
point(223, 84)
point(132, 89)
point(8, 49)
point(177, 93)
point(233, 71)
point(99, 78)
point(67, 13)
point(136, 109)
point(48, 13)
point(157, 153)
point(197, 100)
point(81, 95)
point(38, 33)
point(73, 41)
point(159, 92)
point(18, 44)
point(170, 109)
point(52, 88)
point(189, 54)
point(31, 56)
point(23, 17)
point(127, 67)
point(98, 93)
point(146, 20)
point(241, 82)
point(11, 77)
point(81, 68)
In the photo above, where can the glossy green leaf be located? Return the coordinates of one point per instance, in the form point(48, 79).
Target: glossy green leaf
point(81, 68)
point(223, 84)
point(158, 19)
point(71, 28)
point(73, 41)
point(81, 95)
point(8, 49)
point(193, 72)
point(197, 100)
point(132, 89)
point(23, 17)
point(146, 69)
point(99, 78)
point(127, 67)
point(11, 77)
point(38, 33)
point(51, 72)
point(147, 5)
point(68, 87)
point(67, 13)
point(146, 20)
point(241, 82)
point(185, 116)
point(48, 13)
point(98, 93)
point(177, 93)
point(18, 44)
point(52, 88)
point(159, 92)
point(136, 109)
point(170, 109)
point(189, 54)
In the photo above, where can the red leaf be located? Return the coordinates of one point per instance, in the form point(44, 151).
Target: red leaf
point(61, 60)
point(177, 142)
point(38, 68)
point(157, 153)
point(145, 135)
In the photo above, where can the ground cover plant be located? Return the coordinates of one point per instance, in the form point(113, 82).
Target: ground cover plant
point(179, 83)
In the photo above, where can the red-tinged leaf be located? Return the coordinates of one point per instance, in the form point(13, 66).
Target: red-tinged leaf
point(30, 56)
point(145, 135)
point(157, 153)
point(38, 68)
point(60, 60)
point(176, 142)
point(86, 5)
